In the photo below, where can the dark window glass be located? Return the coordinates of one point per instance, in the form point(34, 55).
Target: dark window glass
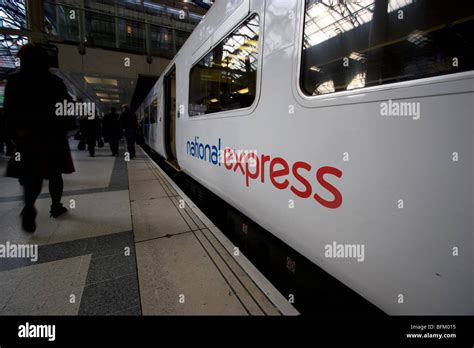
point(226, 78)
point(131, 35)
point(362, 43)
point(100, 30)
point(154, 110)
point(161, 41)
point(147, 115)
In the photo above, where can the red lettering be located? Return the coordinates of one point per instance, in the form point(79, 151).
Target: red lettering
point(336, 203)
point(308, 190)
point(278, 173)
point(248, 174)
point(279, 169)
point(264, 160)
point(238, 163)
point(228, 165)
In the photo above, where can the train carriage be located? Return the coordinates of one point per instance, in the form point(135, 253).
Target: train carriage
point(343, 128)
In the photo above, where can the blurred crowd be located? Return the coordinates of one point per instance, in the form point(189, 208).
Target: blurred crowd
point(36, 138)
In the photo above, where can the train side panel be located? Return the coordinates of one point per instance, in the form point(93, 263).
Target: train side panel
point(402, 197)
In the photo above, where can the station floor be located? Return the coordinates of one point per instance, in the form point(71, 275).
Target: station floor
point(132, 244)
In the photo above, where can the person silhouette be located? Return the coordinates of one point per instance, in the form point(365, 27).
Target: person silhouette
point(38, 133)
point(112, 130)
point(129, 125)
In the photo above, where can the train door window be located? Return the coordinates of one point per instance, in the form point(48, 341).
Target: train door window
point(170, 114)
point(226, 78)
point(361, 43)
point(147, 115)
point(154, 110)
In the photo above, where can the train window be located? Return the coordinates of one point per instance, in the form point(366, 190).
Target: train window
point(153, 110)
point(147, 115)
point(226, 78)
point(362, 43)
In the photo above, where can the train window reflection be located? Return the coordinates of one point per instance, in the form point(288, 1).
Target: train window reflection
point(153, 110)
point(147, 115)
point(360, 43)
point(226, 78)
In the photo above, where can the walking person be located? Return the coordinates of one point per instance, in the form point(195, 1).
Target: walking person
point(81, 146)
point(129, 125)
point(112, 130)
point(91, 128)
point(38, 134)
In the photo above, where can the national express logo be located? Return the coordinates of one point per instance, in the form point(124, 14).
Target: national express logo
point(276, 170)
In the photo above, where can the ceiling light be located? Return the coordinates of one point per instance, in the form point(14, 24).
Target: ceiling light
point(93, 80)
point(111, 82)
point(108, 96)
point(100, 81)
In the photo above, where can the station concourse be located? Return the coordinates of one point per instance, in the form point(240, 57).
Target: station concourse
point(126, 248)
point(131, 242)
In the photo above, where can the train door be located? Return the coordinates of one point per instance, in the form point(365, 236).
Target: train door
point(170, 117)
point(153, 121)
point(146, 124)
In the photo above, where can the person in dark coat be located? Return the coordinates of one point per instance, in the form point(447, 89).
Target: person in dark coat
point(82, 120)
point(91, 130)
point(129, 125)
point(37, 132)
point(112, 130)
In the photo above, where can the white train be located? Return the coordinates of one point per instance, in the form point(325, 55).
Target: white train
point(346, 129)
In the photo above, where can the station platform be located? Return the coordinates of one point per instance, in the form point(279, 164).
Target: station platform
point(132, 243)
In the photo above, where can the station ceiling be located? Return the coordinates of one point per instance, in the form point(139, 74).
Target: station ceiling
point(118, 90)
point(82, 88)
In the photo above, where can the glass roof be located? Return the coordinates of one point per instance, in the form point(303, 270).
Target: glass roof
point(242, 46)
point(328, 18)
